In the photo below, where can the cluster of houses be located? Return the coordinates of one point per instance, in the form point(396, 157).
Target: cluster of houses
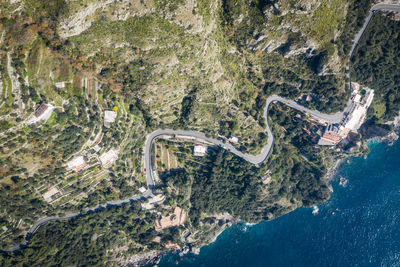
point(333, 134)
point(43, 112)
point(200, 150)
point(80, 162)
point(360, 101)
point(106, 159)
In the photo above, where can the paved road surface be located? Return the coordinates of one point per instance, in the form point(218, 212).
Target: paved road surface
point(381, 7)
point(69, 215)
point(257, 159)
point(330, 118)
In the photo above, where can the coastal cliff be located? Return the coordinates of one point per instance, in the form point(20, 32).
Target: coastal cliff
point(112, 72)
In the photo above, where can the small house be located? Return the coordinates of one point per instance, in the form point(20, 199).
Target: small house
point(200, 150)
point(109, 117)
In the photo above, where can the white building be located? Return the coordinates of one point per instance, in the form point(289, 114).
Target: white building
point(356, 118)
point(108, 158)
point(357, 98)
point(358, 115)
point(200, 150)
point(353, 121)
point(97, 148)
point(77, 164)
point(109, 117)
point(51, 192)
point(234, 139)
point(142, 189)
point(60, 85)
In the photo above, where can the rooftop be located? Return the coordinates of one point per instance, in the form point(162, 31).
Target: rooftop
point(109, 117)
point(200, 150)
point(40, 110)
point(76, 164)
point(331, 136)
point(51, 192)
point(356, 118)
point(60, 84)
point(234, 139)
point(42, 113)
point(108, 158)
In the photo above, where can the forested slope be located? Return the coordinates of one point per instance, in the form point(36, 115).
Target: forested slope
point(376, 64)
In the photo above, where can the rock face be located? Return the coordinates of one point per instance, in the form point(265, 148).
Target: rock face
point(80, 17)
point(143, 259)
point(201, 65)
point(371, 131)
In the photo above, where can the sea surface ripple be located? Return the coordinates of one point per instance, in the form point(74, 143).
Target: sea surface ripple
point(358, 226)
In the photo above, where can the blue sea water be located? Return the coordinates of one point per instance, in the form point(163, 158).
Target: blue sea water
point(358, 226)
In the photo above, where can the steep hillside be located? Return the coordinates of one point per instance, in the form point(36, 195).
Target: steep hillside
point(201, 65)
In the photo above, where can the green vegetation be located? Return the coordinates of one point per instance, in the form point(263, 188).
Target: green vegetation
point(92, 239)
point(187, 106)
point(326, 20)
point(33, 60)
point(171, 6)
point(244, 30)
point(52, 120)
point(298, 166)
point(376, 64)
point(136, 30)
point(222, 183)
point(4, 125)
point(135, 75)
point(6, 96)
point(205, 65)
point(328, 91)
point(356, 13)
point(48, 10)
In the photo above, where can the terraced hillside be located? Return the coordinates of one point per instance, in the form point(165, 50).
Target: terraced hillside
point(197, 65)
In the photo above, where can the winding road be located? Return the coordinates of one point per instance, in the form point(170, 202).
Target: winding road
point(257, 159)
point(378, 7)
point(69, 215)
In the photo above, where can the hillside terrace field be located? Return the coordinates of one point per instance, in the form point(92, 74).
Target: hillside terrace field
point(194, 65)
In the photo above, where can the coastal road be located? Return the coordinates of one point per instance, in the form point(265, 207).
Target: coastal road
point(36, 226)
point(378, 7)
point(257, 159)
point(69, 215)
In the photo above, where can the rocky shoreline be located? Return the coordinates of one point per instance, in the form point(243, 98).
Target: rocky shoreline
point(333, 170)
point(154, 257)
point(371, 133)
